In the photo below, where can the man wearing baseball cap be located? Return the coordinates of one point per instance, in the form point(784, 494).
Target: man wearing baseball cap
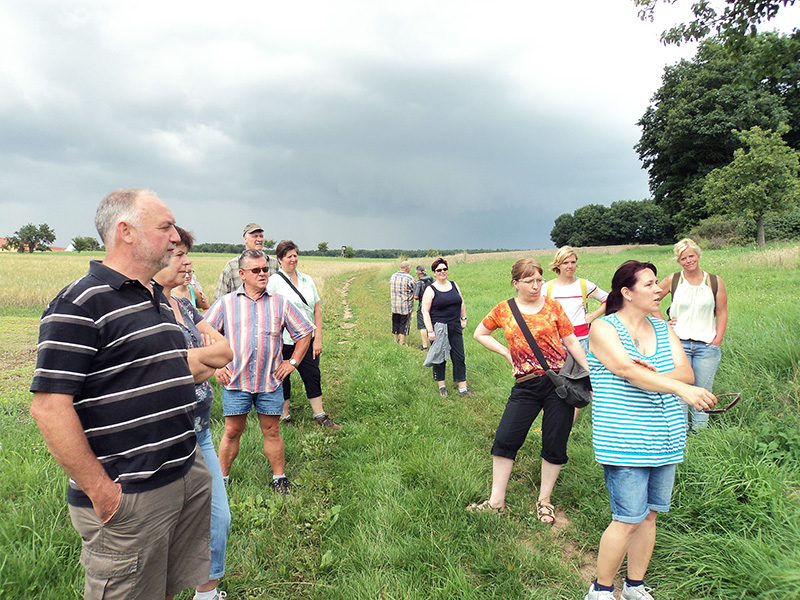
point(229, 280)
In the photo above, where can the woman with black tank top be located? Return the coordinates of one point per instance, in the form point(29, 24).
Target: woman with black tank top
point(445, 313)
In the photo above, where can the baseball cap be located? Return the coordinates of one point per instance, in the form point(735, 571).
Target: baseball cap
point(251, 228)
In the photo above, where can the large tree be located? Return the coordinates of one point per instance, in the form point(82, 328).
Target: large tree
point(734, 24)
point(762, 178)
point(687, 131)
point(32, 237)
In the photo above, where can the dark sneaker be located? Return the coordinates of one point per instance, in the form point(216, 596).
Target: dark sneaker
point(287, 420)
point(443, 391)
point(280, 486)
point(464, 392)
point(326, 421)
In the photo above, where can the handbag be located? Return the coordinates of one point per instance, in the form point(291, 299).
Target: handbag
point(572, 382)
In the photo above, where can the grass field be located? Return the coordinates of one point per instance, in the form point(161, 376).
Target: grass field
point(378, 511)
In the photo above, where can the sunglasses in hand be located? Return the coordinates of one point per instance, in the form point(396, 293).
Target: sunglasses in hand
point(733, 398)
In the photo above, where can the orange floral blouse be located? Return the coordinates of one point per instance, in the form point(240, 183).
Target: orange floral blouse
point(549, 326)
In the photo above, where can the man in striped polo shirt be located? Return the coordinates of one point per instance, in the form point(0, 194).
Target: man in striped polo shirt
point(253, 321)
point(114, 399)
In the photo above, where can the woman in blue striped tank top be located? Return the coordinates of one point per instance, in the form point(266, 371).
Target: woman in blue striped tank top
point(638, 370)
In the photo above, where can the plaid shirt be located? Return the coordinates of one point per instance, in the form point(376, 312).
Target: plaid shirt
point(253, 328)
point(401, 286)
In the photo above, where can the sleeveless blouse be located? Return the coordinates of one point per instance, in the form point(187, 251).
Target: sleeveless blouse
point(693, 308)
point(631, 426)
point(446, 306)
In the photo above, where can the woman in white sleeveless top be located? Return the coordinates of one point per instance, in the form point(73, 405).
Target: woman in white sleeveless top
point(699, 315)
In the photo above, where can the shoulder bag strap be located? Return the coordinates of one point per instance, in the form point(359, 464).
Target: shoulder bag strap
point(526, 331)
point(550, 284)
point(291, 285)
point(583, 294)
point(676, 279)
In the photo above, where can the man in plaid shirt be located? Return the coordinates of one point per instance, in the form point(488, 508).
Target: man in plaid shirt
point(401, 287)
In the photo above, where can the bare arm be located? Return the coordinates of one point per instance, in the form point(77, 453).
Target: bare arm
point(64, 436)
point(721, 312)
point(484, 337)
point(427, 300)
point(576, 350)
point(201, 300)
point(666, 286)
point(463, 307)
point(317, 349)
point(300, 348)
point(599, 312)
point(682, 371)
point(215, 353)
point(607, 347)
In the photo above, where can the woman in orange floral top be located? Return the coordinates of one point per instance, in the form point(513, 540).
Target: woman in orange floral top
point(533, 392)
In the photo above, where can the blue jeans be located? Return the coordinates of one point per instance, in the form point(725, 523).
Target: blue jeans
point(704, 359)
point(220, 510)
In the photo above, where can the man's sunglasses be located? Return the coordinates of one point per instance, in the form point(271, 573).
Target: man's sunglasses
point(716, 411)
point(258, 270)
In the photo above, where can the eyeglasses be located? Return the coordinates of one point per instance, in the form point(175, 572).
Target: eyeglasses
point(531, 281)
point(444, 270)
point(258, 270)
point(717, 411)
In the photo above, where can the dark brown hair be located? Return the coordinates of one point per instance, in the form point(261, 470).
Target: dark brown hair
point(625, 277)
point(285, 247)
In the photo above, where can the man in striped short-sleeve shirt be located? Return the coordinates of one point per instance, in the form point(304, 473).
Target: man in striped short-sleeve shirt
point(253, 321)
point(114, 399)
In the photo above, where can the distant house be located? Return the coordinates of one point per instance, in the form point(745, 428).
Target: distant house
point(53, 248)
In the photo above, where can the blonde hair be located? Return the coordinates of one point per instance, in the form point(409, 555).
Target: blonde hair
point(562, 254)
point(684, 245)
point(525, 267)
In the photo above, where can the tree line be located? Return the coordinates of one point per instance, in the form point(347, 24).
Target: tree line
point(720, 143)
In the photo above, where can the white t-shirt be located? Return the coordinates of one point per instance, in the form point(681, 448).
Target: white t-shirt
point(571, 299)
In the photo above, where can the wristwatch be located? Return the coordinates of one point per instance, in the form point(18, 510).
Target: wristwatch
point(293, 362)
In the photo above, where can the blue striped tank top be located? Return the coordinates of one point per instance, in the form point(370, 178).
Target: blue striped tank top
point(631, 426)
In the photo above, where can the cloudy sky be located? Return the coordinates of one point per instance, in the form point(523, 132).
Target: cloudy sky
point(369, 123)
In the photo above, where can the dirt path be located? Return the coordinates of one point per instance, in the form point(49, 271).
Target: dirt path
point(347, 314)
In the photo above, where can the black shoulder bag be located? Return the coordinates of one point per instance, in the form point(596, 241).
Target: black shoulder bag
point(572, 382)
point(296, 291)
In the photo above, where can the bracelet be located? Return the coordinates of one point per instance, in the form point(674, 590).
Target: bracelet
point(463, 318)
point(430, 330)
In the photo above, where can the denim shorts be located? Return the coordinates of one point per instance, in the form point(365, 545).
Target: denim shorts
point(237, 402)
point(635, 491)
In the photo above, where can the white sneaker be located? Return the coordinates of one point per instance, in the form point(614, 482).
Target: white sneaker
point(640, 592)
point(598, 595)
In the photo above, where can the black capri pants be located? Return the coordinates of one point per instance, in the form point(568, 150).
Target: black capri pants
point(527, 400)
point(309, 372)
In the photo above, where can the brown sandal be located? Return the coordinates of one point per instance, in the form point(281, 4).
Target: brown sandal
point(484, 506)
point(545, 512)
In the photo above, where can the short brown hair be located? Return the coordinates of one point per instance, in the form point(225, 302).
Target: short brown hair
point(284, 247)
point(525, 267)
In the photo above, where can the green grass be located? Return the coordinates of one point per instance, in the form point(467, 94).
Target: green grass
point(378, 508)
